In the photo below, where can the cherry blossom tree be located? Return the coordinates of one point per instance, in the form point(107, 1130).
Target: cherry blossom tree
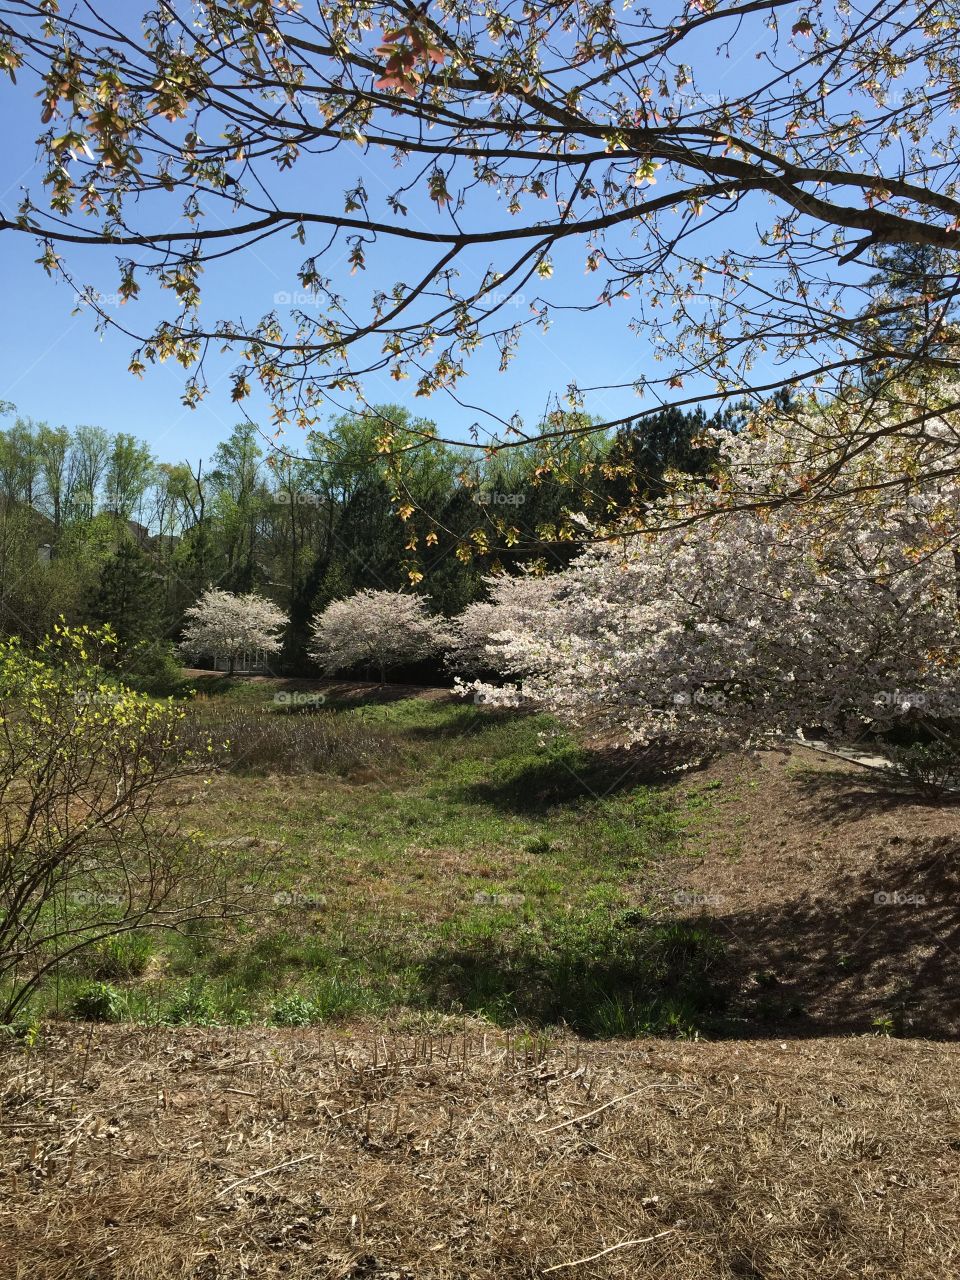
point(228, 625)
point(512, 605)
point(760, 620)
point(379, 629)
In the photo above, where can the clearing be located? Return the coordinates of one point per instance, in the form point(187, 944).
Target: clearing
point(463, 924)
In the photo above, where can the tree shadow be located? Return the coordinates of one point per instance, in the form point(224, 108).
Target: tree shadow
point(465, 719)
point(210, 685)
point(847, 964)
point(626, 976)
point(878, 949)
point(341, 693)
point(837, 793)
point(571, 774)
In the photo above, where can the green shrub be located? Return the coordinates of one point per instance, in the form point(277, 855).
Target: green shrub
point(152, 666)
point(932, 768)
point(79, 750)
point(292, 1011)
point(193, 1005)
point(98, 1002)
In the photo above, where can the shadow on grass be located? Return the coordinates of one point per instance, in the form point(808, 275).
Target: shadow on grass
point(879, 953)
point(615, 976)
point(342, 693)
point(212, 685)
point(569, 775)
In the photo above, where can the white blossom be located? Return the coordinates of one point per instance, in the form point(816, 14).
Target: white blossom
point(477, 637)
point(227, 625)
point(378, 629)
point(757, 619)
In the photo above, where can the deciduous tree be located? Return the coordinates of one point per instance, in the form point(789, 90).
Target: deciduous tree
point(842, 613)
point(228, 625)
point(378, 629)
point(719, 174)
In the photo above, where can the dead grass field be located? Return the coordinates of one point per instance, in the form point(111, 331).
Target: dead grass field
point(135, 1154)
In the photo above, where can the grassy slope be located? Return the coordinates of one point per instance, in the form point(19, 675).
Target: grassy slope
point(440, 859)
point(410, 1145)
point(458, 861)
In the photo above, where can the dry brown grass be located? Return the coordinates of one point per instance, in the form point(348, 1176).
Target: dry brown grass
point(134, 1154)
point(788, 852)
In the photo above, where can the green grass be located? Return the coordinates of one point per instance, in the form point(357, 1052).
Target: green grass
point(469, 861)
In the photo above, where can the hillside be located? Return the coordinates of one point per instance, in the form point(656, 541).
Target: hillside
point(560, 1017)
point(836, 892)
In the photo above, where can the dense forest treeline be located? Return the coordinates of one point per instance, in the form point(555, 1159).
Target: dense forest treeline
point(94, 528)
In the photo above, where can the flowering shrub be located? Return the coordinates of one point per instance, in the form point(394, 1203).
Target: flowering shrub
point(91, 849)
point(227, 625)
point(475, 643)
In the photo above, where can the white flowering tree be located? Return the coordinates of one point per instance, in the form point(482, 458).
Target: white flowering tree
point(376, 629)
point(761, 619)
point(227, 625)
point(477, 637)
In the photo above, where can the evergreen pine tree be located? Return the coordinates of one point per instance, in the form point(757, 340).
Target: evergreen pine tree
point(130, 597)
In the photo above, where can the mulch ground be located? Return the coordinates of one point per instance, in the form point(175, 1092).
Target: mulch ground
point(379, 1153)
point(835, 890)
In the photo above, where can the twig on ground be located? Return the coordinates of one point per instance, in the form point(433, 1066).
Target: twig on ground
point(262, 1173)
point(624, 1244)
point(613, 1101)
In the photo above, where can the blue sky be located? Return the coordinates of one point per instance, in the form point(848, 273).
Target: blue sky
point(54, 366)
